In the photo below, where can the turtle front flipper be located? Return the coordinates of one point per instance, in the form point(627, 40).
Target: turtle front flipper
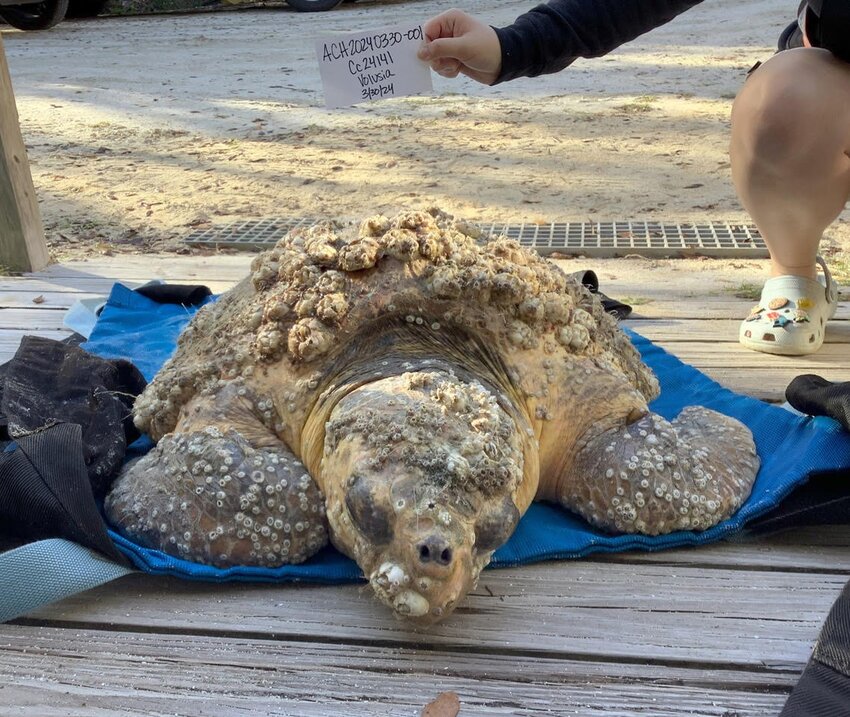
point(655, 476)
point(221, 492)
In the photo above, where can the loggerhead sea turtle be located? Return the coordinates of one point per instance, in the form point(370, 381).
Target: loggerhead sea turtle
point(407, 390)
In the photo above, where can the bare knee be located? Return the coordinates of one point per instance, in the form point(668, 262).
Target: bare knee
point(783, 112)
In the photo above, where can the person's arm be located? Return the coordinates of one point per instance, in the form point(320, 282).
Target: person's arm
point(552, 36)
point(546, 39)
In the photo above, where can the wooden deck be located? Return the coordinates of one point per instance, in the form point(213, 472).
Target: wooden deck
point(723, 630)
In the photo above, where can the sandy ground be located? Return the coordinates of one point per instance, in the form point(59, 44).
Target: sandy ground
point(143, 128)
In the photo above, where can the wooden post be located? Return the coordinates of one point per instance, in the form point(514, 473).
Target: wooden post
point(22, 244)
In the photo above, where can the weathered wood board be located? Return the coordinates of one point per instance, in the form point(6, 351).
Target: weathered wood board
point(22, 243)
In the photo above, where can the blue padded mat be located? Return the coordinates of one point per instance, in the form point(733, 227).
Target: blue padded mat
point(791, 448)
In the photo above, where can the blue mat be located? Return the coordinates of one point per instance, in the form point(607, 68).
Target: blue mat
point(791, 448)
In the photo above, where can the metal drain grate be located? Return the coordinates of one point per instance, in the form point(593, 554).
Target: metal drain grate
point(596, 239)
point(253, 234)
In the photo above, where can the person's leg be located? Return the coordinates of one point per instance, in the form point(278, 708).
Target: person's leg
point(790, 154)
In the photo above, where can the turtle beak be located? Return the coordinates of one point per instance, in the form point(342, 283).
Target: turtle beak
point(423, 577)
point(391, 585)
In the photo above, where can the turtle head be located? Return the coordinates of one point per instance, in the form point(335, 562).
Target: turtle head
point(419, 480)
point(426, 547)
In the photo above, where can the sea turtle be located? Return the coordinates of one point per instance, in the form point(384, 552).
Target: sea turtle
point(407, 388)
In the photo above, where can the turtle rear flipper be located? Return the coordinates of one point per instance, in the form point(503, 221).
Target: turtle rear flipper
point(654, 476)
point(210, 496)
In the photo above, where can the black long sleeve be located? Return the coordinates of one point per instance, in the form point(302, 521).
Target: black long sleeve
point(550, 37)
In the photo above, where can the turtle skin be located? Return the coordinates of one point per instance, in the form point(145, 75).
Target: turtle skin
point(405, 389)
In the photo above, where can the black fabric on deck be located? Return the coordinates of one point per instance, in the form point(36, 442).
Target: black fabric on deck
point(824, 688)
point(65, 422)
point(833, 645)
point(49, 382)
point(823, 500)
point(45, 491)
point(816, 396)
point(590, 281)
point(825, 497)
point(185, 294)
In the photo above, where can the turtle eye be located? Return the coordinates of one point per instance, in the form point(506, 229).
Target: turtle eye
point(370, 517)
point(495, 526)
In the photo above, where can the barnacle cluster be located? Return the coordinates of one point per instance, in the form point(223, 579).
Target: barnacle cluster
point(210, 497)
point(453, 433)
point(655, 476)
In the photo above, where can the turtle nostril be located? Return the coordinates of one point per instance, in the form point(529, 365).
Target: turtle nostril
point(435, 548)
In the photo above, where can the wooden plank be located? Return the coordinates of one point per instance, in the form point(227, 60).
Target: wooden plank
point(823, 548)
point(231, 267)
point(99, 285)
point(10, 339)
point(673, 331)
point(687, 293)
point(722, 354)
point(670, 306)
point(32, 319)
point(584, 608)
point(22, 243)
point(43, 300)
point(664, 307)
point(684, 279)
point(18, 313)
point(51, 673)
point(767, 383)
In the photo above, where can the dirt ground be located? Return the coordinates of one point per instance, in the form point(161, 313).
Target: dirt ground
point(143, 128)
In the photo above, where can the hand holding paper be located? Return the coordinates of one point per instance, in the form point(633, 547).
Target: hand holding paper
point(457, 43)
point(357, 67)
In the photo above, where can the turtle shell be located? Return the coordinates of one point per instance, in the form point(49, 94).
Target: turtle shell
point(325, 293)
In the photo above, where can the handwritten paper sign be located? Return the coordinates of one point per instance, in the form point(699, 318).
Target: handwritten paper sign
point(372, 65)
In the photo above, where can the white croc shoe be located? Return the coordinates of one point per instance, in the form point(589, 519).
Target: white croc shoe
point(791, 316)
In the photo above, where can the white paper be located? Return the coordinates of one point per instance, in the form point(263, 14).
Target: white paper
point(359, 67)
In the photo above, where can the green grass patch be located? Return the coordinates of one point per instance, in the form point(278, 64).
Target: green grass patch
point(747, 291)
point(840, 269)
point(639, 104)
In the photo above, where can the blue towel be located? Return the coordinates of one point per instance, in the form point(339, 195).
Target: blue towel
point(791, 448)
